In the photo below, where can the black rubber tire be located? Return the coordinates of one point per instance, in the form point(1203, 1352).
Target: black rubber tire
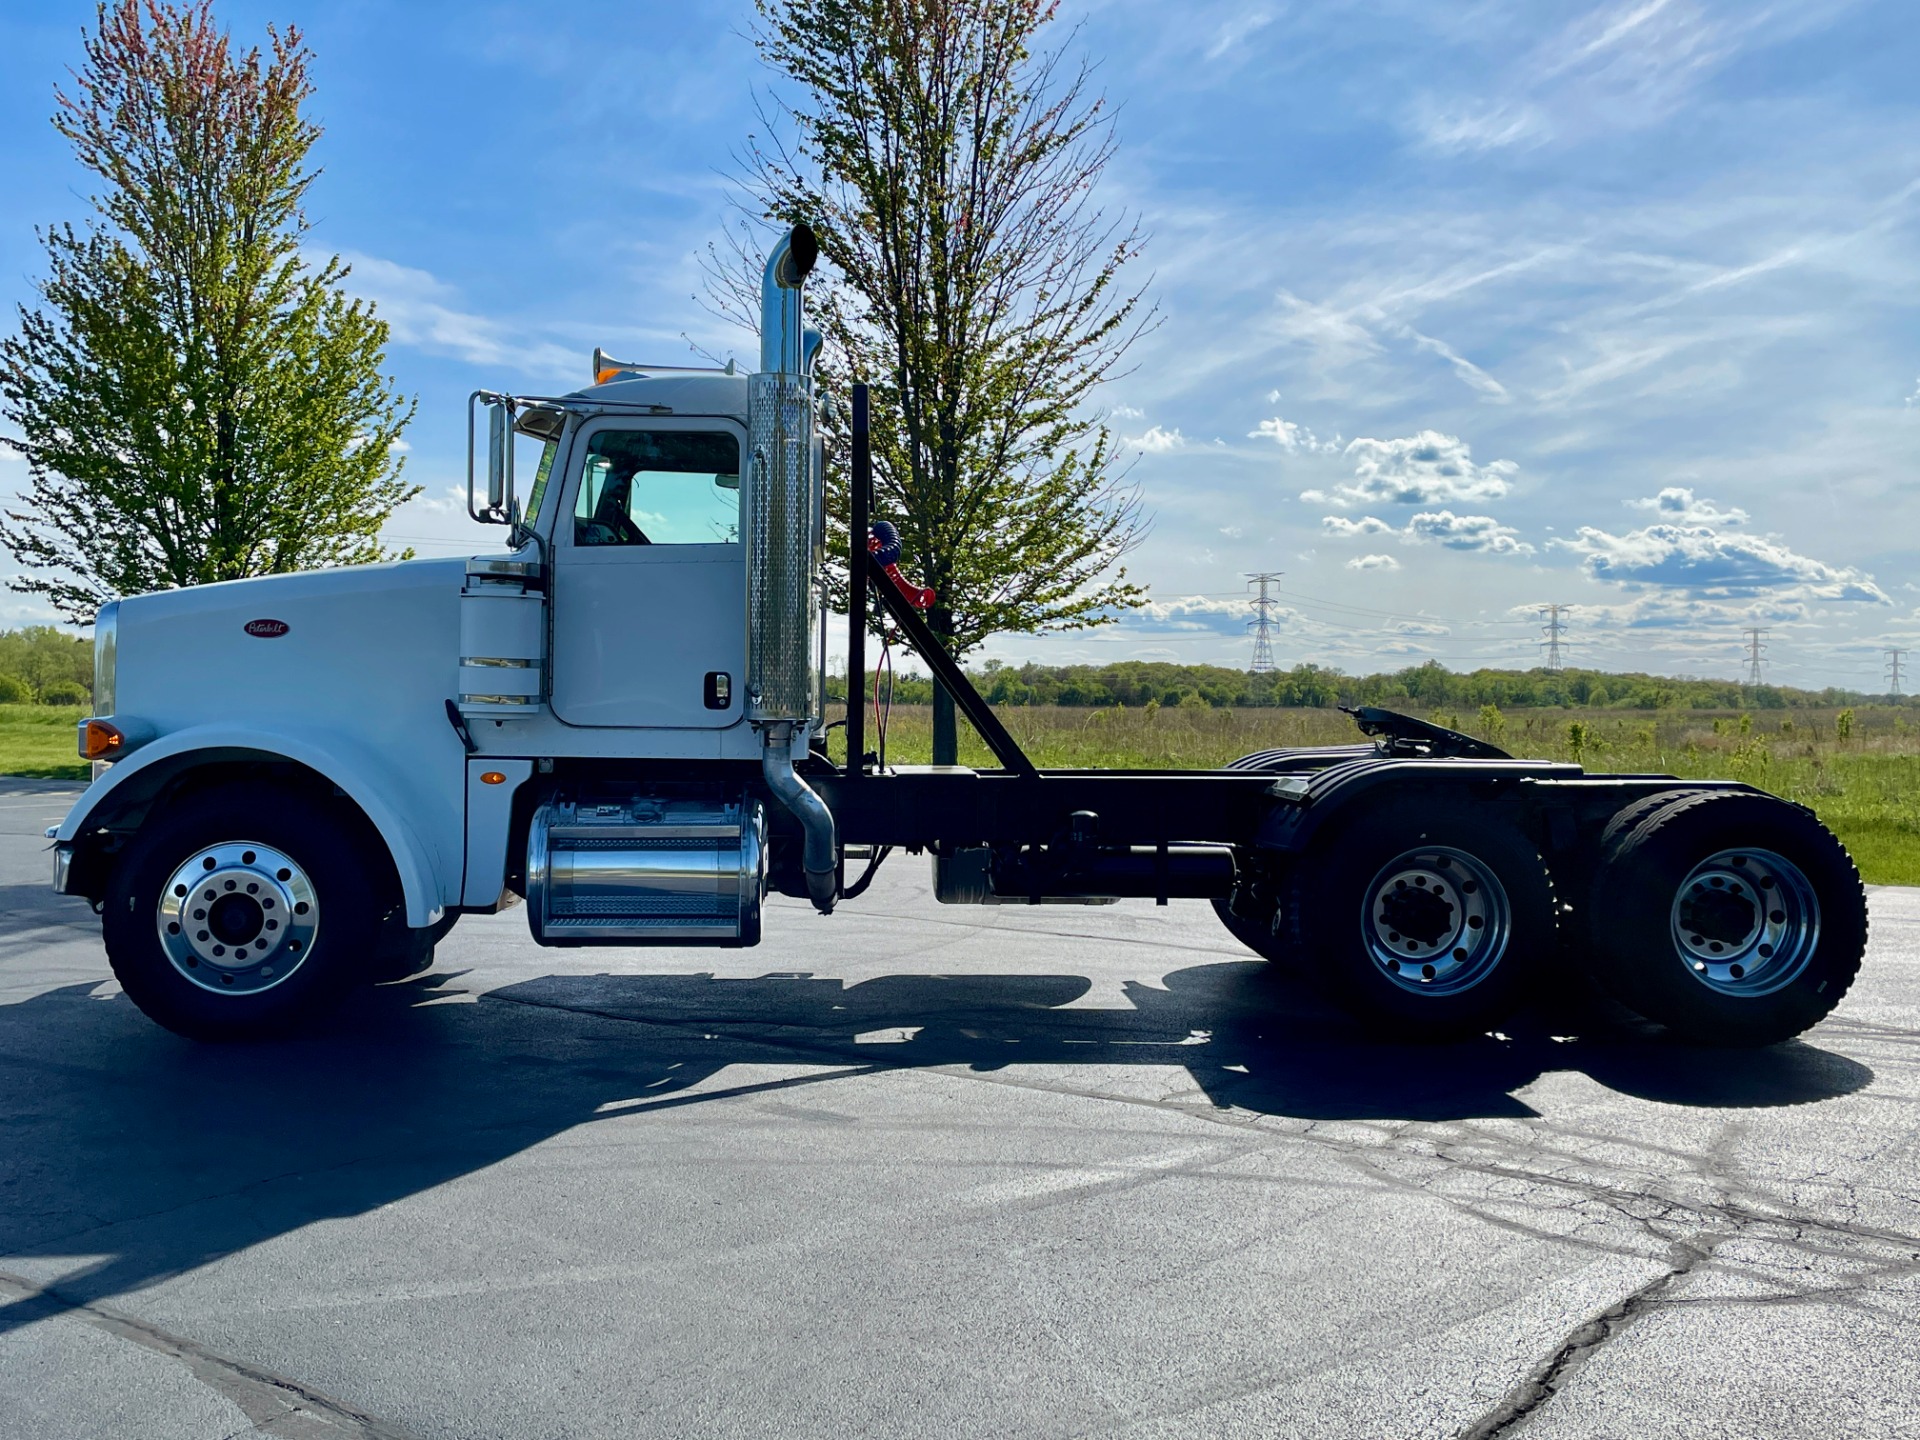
point(1328, 893)
point(1630, 939)
point(1257, 935)
point(311, 832)
point(1634, 811)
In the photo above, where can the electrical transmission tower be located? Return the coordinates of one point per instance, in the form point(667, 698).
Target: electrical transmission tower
point(1893, 669)
point(1553, 630)
point(1756, 655)
point(1262, 623)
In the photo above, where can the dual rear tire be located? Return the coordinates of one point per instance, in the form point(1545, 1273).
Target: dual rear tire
point(1427, 923)
point(1729, 917)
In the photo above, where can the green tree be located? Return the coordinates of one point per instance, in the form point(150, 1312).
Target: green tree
point(948, 165)
point(195, 401)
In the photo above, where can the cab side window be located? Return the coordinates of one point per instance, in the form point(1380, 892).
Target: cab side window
point(659, 487)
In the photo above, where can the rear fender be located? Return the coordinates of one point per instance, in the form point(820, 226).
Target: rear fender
point(429, 880)
point(1309, 805)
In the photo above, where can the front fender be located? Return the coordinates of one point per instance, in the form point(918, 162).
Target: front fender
point(430, 874)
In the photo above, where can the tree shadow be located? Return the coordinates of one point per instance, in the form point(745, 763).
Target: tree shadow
point(120, 1141)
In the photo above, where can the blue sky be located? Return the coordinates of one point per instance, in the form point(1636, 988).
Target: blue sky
point(1468, 305)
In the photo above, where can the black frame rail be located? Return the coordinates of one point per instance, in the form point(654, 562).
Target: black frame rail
point(864, 572)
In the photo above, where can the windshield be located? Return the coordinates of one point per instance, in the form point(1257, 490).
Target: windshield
point(538, 491)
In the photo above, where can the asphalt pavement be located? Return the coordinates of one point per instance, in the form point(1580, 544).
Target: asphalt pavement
point(915, 1170)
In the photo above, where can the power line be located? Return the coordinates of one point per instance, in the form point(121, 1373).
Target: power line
point(1893, 668)
point(1756, 655)
point(1262, 623)
point(1553, 630)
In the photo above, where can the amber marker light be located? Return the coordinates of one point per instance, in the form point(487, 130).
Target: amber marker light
point(493, 777)
point(99, 740)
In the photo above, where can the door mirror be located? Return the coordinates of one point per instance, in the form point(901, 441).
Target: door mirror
point(499, 457)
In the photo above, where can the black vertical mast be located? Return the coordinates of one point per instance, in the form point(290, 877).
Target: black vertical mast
point(860, 505)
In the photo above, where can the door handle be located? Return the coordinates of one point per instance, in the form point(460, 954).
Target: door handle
point(719, 690)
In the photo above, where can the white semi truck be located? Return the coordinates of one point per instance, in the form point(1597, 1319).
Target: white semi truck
point(304, 780)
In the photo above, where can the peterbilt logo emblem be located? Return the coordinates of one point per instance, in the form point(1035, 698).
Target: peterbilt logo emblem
point(267, 629)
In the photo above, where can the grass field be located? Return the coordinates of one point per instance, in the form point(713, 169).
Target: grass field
point(1865, 786)
point(38, 740)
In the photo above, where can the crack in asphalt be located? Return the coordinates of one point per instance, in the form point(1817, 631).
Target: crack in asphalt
point(1516, 1409)
point(273, 1404)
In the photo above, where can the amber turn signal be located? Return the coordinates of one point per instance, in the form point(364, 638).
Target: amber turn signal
point(99, 740)
point(493, 777)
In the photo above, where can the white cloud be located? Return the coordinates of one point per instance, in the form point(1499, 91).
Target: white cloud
point(1293, 438)
point(1156, 441)
point(1127, 412)
point(1236, 30)
point(1618, 66)
point(1478, 127)
point(1703, 561)
point(1373, 562)
point(1350, 529)
point(1193, 614)
point(1467, 532)
point(422, 312)
point(1233, 532)
point(1472, 374)
point(1423, 469)
point(1456, 532)
point(1676, 505)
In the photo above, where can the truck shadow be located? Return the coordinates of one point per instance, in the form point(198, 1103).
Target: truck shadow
point(1247, 1035)
point(129, 1155)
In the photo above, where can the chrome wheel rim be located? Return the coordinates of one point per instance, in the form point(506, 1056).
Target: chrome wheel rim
point(1436, 921)
point(1745, 922)
point(238, 918)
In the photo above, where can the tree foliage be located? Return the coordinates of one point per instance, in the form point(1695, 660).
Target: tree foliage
point(194, 399)
point(948, 166)
point(43, 659)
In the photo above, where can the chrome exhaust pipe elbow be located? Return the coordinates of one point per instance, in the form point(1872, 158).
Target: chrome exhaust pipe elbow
point(820, 855)
point(783, 334)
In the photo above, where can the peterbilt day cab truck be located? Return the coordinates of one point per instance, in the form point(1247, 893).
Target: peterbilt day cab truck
point(304, 780)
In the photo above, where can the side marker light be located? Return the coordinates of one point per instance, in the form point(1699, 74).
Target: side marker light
point(493, 777)
point(99, 740)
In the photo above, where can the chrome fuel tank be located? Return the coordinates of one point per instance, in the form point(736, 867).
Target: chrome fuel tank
point(639, 870)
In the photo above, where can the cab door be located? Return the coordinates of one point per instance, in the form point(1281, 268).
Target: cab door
point(649, 593)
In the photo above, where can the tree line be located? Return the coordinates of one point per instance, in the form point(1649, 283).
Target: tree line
point(1429, 686)
point(45, 664)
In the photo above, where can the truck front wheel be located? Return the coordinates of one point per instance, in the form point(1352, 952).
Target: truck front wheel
point(1426, 923)
point(240, 912)
point(1732, 918)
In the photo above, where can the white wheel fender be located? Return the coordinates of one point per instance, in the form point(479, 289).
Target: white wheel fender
point(428, 877)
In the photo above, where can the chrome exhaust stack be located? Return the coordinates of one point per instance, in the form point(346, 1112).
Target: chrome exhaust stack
point(782, 526)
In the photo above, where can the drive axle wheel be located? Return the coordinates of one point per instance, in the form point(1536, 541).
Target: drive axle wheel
point(1426, 924)
point(240, 911)
point(1730, 917)
point(1436, 921)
